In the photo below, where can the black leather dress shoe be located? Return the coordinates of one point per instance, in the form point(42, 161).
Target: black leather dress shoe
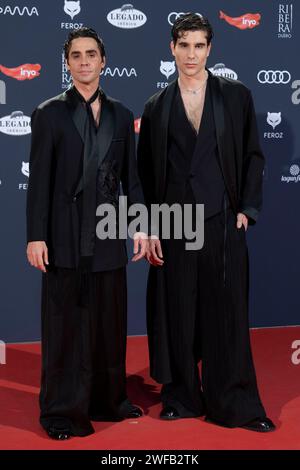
point(59, 434)
point(133, 412)
point(169, 413)
point(260, 425)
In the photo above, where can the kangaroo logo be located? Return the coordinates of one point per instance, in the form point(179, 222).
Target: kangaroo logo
point(72, 8)
point(167, 68)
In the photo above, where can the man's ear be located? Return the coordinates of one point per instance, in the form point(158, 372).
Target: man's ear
point(172, 48)
point(67, 65)
point(208, 49)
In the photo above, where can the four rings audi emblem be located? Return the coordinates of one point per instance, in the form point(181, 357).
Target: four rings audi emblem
point(173, 16)
point(274, 76)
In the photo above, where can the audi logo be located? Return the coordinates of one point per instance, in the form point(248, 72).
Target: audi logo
point(173, 16)
point(274, 76)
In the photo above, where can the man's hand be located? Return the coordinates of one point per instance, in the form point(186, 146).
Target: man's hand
point(242, 219)
point(37, 254)
point(154, 255)
point(140, 242)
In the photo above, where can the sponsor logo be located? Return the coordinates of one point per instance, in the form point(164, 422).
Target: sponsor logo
point(274, 77)
point(65, 75)
point(221, 71)
point(173, 16)
point(126, 17)
point(72, 8)
point(7, 10)
point(296, 94)
point(119, 72)
point(294, 176)
point(273, 119)
point(137, 125)
point(167, 69)
point(285, 20)
point(2, 92)
point(247, 21)
point(16, 124)
point(25, 168)
point(23, 72)
point(25, 171)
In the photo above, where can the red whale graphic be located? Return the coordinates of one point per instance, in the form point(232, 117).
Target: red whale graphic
point(247, 21)
point(23, 72)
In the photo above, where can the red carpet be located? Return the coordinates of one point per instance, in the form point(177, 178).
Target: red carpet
point(278, 378)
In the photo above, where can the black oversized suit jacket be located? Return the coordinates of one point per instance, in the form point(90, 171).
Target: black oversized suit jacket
point(240, 156)
point(241, 162)
point(54, 201)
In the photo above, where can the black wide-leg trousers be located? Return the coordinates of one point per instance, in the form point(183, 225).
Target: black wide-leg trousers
point(84, 330)
point(207, 297)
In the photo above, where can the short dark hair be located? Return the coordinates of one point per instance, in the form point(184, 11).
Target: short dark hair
point(191, 22)
point(83, 33)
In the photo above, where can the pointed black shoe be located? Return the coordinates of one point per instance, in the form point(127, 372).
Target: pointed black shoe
point(58, 433)
point(260, 425)
point(169, 413)
point(133, 412)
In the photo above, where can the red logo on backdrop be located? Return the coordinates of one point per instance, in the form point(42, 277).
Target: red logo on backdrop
point(23, 72)
point(247, 21)
point(137, 125)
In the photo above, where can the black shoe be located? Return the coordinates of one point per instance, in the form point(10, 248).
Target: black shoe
point(260, 425)
point(133, 412)
point(60, 434)
point(169, 413)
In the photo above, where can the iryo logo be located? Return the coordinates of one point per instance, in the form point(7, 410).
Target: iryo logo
point(23, 72)
point(247, 21)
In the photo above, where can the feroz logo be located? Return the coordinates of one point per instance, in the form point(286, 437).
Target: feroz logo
point(7, 10)
point(16, 124)
point(173, 16)
point(277, 77)
point(296, 94)
point(119, 72)
point(294, 175)
point(25, 169)
point(247, 21)
point(273, 119)
point(72, 8)
point(167, 68)
point(23, 72)
point(2, 92)
point(285, 20)
point(2, 352)
point(221, 71)
point(126, 17)
point(296, 354)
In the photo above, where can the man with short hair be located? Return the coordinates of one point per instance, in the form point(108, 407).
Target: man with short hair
point(199, 145)
point(82, 148)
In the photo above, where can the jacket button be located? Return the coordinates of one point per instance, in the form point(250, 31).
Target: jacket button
point(74, 199)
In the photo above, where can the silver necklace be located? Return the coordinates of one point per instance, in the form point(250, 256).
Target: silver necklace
point(194, 92)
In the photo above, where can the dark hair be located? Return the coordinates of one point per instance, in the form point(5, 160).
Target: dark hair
point(83, 33)
point(191, 22)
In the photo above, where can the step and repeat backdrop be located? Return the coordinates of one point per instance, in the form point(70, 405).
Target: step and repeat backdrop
point(256, 42)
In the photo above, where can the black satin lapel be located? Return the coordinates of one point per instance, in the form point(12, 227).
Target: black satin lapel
point(77, 112)
point(218, 110)
point(106, 129)
point(104, 137)
point(162, 134)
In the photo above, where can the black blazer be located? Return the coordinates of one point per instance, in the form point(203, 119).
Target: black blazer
point(241, 159)
point(54, 200)
point(242, 165)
